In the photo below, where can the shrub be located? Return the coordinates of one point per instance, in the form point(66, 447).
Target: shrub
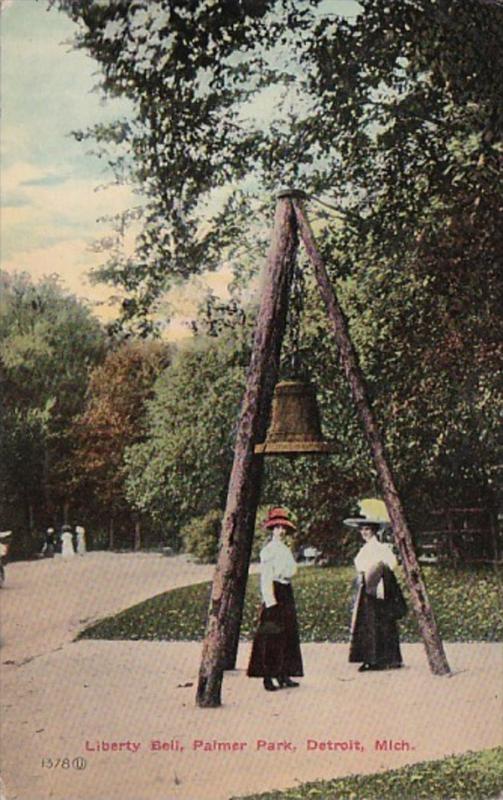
point(200, 536)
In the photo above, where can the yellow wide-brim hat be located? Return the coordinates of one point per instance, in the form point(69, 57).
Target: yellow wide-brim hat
point(357, 522)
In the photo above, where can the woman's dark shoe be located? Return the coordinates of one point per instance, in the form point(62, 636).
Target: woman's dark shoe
point(269, 685)
point(286, 683)
point(370, 668)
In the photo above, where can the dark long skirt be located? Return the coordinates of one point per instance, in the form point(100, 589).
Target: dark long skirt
point(374, 635)
point(276, 645)
point(49, 550)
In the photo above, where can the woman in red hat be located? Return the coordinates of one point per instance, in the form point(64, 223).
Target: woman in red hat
point(276, 646)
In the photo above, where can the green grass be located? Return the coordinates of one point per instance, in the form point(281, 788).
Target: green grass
point(467, 605)
point(472, 776)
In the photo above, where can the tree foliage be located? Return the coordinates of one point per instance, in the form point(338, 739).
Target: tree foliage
point(112, 421)
point(49, 341)
point(394, 117)
point(394, 112)
point(201, 535)
point(181, 469)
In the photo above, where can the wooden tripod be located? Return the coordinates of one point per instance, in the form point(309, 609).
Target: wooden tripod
point(229, 582)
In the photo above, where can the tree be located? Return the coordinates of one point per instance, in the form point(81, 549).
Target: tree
point(396, 112)
point(180, 469)
point(112, 421)
point(49, 341)
point(393, 115)
point(436, 401)
point(184, 133)
point(409, 131)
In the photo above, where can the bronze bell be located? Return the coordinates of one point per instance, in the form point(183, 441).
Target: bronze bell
point(295, 422)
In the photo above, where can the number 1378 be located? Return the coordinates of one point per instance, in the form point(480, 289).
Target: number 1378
point(64, 763)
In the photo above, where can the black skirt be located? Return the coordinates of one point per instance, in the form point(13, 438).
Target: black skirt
point(276, 645)
point(374, 635)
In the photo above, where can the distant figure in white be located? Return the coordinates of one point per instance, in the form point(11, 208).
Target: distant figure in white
point(81, 539)
point(4, 549)
point(4, 546)
point(67, 550)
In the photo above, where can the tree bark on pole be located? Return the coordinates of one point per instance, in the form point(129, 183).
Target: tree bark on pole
point(349, 361)
point(229, 582)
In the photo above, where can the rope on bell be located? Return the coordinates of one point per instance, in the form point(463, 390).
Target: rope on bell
point(295, 310)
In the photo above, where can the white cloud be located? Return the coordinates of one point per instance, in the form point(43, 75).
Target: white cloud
point(48, 223)
point(48, 193)
point(50, 205)
point(49, 228)
point(17, 174)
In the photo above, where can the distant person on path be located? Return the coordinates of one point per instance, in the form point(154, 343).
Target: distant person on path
point(67, 550)
point(49, 547)
point(276, 646)
point(81, 540)
point(379, 602)
point(4, 549)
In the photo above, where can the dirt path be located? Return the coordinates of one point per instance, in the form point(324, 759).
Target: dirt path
point(110, 704)
point(45, 603)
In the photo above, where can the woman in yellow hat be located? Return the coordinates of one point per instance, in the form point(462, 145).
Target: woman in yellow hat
point(379, 602)
point(276, 646)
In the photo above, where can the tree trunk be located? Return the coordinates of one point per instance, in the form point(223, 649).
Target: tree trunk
point(111, 534)
point(493, 523)
point(229, 583)
point(31, 520)
point(137, 535)
point(45, 482)
point(349, 361)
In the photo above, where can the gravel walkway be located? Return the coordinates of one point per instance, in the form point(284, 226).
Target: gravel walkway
point(125, 711)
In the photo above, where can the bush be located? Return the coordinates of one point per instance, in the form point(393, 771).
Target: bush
point(200, 536)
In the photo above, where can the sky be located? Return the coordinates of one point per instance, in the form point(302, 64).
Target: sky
point(51, 203)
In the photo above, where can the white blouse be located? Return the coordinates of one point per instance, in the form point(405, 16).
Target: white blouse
point(371, 554)
point(276, 564)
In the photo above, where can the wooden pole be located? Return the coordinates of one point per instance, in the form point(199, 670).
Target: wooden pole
point(229, 582)
point(349, 361)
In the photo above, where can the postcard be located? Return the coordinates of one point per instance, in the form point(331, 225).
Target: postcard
point(250, 340)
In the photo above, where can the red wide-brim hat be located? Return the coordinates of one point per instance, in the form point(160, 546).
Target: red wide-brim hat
point(278, 516)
